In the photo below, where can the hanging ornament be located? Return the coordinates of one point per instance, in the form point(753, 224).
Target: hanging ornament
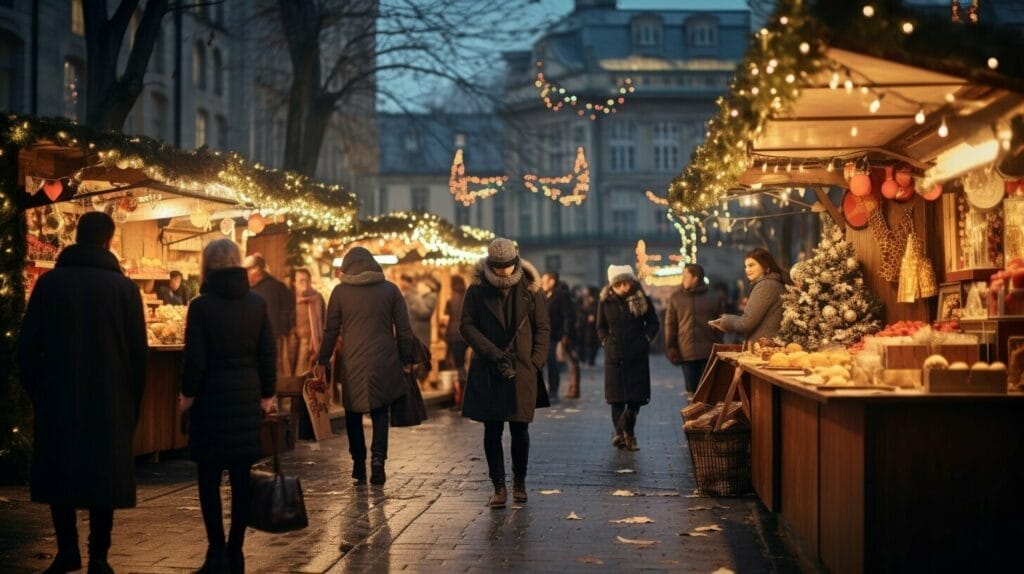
point(917, 274)
point(53, 188)
point(199, 219)
point(256, 223)
point(850, 315)
point(889, 187)
point(860, 184)
point(227, 226)
point(983, 189)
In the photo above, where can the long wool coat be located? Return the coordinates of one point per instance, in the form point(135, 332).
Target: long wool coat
point(229, 364)
point(686, 322)
point(486, 328)
point(370, 315)
point(82, 351)
point(627, 345)
point(762, 316)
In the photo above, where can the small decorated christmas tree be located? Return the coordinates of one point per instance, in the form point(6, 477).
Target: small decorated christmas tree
point(828, 303)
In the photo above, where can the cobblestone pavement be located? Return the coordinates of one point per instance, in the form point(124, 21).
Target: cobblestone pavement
point(431, 515)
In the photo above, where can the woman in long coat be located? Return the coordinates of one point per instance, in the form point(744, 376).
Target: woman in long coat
point(626, 325)
point(370, 315)
point(229, 376)
point(762, 316)
point(505, 322)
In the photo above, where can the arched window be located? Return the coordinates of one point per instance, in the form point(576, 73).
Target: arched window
point(218, 73)
point(647, 31)
point(702, 32)
point(74, 89)
point(199, 66)
point(622, 145)
point(202, 122)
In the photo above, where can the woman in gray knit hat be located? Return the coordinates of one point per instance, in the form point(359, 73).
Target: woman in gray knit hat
point(505, 321)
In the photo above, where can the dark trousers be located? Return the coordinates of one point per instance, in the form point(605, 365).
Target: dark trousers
point(520, 432)
point(624, 417)
point(553, 371)
point(692, 371)
point(357, 439)
point(209, 501)
point(65, 524)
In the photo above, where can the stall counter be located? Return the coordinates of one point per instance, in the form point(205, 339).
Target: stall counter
point(160, 425)
point(879, 481)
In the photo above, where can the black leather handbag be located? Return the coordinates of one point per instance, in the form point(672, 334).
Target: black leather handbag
point(276, 503)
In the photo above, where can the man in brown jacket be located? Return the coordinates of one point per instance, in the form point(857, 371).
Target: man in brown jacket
point(688, 336)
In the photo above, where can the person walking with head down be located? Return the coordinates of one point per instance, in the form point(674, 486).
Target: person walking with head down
point(626, 325)
point(82, 354)
point(369, 314)
point(762, 316)
point(505, 321)
point(229, 376)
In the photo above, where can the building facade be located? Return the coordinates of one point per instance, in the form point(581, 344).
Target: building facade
point(678, 62)
point(205, 85)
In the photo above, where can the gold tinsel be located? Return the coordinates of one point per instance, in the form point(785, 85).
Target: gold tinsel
point(917, 274)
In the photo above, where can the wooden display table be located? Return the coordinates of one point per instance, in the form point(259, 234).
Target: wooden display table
point(883, 481)
point(160, 424)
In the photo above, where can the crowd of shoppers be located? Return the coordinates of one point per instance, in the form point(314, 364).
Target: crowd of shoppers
point(246, 328)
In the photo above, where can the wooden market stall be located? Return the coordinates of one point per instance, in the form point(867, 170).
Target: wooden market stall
point(167, 204)
point(888, 475)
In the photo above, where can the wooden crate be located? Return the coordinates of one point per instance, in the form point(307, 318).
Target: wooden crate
point(904, 356)
point(964, 381)
point(969, 354)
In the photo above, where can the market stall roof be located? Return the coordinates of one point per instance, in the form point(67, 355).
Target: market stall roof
point(828, 83)
point(93, 162)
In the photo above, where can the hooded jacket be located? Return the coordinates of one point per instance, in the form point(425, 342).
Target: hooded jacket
point(82, 353)
point(368, 312)
point(762, 316)
point(229, 364)
point(490, 320)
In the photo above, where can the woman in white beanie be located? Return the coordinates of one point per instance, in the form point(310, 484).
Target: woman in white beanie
point(626, 325)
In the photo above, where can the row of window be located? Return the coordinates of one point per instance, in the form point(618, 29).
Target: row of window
point(648, 33)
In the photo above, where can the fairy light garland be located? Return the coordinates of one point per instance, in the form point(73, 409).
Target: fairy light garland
point(459, 182)
point(424, 232)
point(552, 187)
point(556, 97)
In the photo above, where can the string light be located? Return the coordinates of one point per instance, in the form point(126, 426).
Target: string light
point(459, 182)
point(919, 117)
point(907, 27)
point(556, 96)
point(993, 63)
point(580, 174)
point(943, 129)
point(876, 104)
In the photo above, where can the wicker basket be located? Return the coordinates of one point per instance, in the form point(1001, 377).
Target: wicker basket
point(721, 460)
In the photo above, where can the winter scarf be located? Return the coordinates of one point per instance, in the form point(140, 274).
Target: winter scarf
point(503, 282)
point(637, 301)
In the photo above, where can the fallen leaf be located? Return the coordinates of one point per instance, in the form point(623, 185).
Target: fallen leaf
point(692, 534)
point(715, 507)
point(625, 471)
point(188, 508)
point(589, 560)
point(555, 491)
point(712, 528)
point(633, 520)
point(636, 541)
point(625, 493)
point(572, 410)
point(692, 496)
point(573, 516)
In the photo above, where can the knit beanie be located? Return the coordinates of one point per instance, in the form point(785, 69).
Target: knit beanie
point(618, 273)
point(502, 253)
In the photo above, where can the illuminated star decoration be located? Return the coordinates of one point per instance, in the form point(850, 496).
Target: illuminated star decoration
point(459, 182)
point(556, 97)
point(580, 173)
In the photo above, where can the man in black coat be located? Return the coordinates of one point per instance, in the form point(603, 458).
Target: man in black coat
point(82, 351)
point(562, 315)
point(505, 321)
point(280, 304)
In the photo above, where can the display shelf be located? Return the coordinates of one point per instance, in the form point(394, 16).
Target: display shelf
point(969, 275)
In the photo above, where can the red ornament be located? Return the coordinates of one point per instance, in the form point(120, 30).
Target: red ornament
point(905, 177)
point(889, 188)
point(53, 188)
point(256, 224)
point(860, 185)
point(934, 193)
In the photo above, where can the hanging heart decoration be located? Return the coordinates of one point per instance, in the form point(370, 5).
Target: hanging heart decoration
point(53, 188)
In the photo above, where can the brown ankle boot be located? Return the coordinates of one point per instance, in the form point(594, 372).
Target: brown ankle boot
point(519, 490)
point(500, 496)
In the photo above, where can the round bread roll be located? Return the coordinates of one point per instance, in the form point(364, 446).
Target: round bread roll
point(958, 366)
point(997, 366)
point(794, 348)
point(936, 362)
point(979, 366)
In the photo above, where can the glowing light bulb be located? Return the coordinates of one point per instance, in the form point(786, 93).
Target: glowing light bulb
point(854, 131)
point(868, 10)
point(943, 129)
point(875, 105)
point(993, 63)
point(919, 117)
point(805, 47)
point(907, 28)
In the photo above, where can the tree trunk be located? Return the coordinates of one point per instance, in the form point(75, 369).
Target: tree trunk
point(317, 118)
point(109, 98)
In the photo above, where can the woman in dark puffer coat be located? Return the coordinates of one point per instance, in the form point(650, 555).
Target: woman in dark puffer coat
point(229, 376)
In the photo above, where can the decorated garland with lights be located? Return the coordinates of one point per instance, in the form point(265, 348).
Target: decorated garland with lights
point(424, 232)
point(557, 97)
point(580, 174)
point(459, 182)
